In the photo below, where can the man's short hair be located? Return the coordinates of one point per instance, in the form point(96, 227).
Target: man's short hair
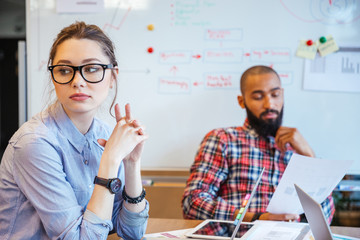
point(255, 70)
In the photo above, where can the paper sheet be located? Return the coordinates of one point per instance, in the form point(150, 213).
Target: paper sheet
point(317, 177)
point(306, 51)
point(337, 72)
point(328, 47)
point(275, 230)
point(77, 6)
point(177, 234)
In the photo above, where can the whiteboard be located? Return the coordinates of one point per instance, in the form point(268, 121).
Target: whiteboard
point(189, 84)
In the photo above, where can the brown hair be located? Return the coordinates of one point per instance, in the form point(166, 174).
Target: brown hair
point(255, 70)
point(81, 30)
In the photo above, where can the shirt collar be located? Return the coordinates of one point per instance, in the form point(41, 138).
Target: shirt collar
point(69, 130)
point(249, 129)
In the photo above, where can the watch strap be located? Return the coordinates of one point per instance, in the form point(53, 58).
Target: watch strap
point(256, 216)
point(102, 181)
point(113, 184)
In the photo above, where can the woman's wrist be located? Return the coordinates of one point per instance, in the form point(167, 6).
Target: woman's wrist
point(131, 165)
point(108, 169)
point(133, 182)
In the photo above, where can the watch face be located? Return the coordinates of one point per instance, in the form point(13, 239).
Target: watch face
point(115, 185)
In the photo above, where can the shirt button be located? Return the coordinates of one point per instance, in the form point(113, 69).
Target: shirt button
point(90, 185)
point(86, 162)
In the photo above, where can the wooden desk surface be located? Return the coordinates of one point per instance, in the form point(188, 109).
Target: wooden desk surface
point(162, 225)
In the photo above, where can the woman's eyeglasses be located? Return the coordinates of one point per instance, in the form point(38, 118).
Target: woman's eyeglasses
point(92, 73)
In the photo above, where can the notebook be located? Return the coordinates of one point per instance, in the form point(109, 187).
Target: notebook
point(316, 218)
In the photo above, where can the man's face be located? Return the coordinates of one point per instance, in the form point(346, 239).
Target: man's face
point(263, 100)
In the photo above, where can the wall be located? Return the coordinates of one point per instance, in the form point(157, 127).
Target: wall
point(188, 85)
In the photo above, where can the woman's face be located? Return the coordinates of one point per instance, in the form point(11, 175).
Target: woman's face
point(81, 98)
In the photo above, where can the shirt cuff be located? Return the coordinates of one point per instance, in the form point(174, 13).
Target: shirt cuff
point(95, 220)
point(133, 218)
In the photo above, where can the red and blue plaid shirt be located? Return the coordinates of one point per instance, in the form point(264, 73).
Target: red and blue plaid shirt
point(226, 167)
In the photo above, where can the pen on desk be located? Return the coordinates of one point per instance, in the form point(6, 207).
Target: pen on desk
point(238, 216)
point(244, 206)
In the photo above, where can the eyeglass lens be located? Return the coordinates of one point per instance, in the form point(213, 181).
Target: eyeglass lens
point(91, 73)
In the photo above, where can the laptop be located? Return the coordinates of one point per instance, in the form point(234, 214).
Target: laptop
point(316, 218)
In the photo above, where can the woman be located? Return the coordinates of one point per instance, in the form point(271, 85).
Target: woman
point(59, 177)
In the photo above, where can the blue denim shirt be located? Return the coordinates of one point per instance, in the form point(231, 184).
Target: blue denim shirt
point(46, 181)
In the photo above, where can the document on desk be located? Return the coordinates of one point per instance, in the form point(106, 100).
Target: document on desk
point(276, 230)
point(318, 178)
point(179, 234)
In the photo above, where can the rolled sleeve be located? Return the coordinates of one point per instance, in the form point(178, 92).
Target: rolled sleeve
point(132, 225)
point(98, 223)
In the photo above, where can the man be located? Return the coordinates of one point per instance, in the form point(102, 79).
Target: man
point(230, 160)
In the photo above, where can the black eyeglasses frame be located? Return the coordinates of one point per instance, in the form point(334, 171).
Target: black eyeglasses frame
point(79, 68)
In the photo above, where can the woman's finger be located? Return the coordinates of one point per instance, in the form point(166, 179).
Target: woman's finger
point(136, 124)
point(102, 142)
point(117, 113)
point(127, 113)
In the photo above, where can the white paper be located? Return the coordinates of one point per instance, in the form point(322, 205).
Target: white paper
point(338, 72)
point(275, 230)
point(179, 234)
point(317, 177)
point(79, 6)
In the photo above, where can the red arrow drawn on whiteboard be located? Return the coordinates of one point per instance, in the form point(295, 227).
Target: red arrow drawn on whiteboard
point(198, 83)
point(197, 56)
point(174, 69)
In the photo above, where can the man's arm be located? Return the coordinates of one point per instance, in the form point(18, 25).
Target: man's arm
point(287, 135)
point(328, 208)
point(201, 198)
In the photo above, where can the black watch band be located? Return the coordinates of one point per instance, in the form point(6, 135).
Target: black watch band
point(256, 216)
point(113, 184)
point(133, 200)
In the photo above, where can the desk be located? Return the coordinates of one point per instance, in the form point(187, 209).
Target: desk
point(162, 225)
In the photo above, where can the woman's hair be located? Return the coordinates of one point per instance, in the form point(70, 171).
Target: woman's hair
point(81, 30)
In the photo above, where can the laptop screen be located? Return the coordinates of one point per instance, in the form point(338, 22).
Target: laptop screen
point(314, 215)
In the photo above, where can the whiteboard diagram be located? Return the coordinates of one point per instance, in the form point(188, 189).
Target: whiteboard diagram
point(181, 76)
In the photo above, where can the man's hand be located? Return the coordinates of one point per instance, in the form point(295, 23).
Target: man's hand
point(292, 136)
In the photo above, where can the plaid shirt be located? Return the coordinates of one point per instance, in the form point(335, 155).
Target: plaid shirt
point(226, 168)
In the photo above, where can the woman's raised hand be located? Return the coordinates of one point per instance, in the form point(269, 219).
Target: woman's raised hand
point(127, 139)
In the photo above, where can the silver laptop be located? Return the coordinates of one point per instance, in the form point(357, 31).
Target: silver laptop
point(316, 218)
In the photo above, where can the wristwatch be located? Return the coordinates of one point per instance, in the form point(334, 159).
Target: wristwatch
point(113, 184)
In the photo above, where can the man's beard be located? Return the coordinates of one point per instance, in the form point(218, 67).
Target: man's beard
point(262, 127)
